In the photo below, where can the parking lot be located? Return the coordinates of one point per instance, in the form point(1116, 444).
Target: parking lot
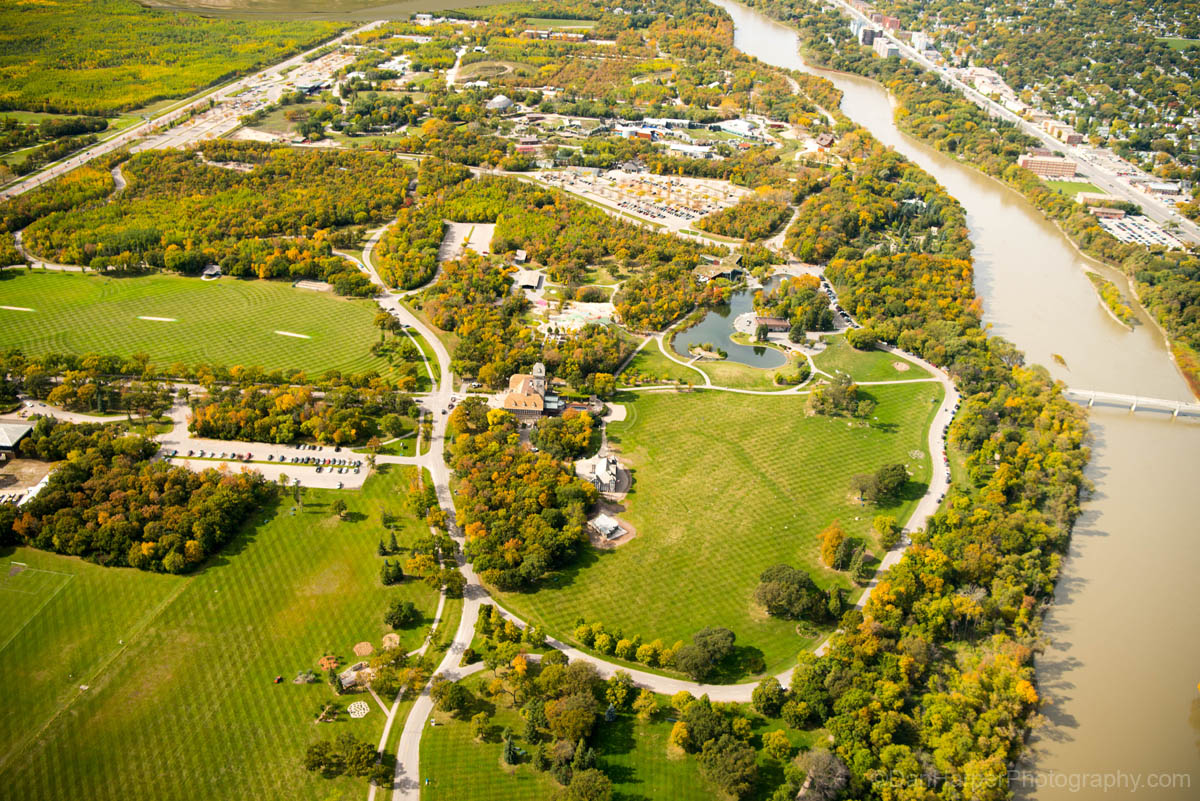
point(673, 202)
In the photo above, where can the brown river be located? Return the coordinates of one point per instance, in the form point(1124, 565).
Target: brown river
point(1122, 669)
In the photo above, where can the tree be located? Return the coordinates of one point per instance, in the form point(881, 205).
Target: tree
point(481, 724)
point(619, 689)
point(510, 755)
point(889, 533)
point(717, 641)
point(861, 338)
point(787, 592)
point(831, 542)
point(645, 705)
point(679, 737)
point(768, 697)
point(338, 507)
point(401, 614)
point(729, 764)
point(777, 745)
point(391, 573)
point(571, 718)
point(535, 720)
point(890, 479)
point(453, 698)
point(694, 661)
point(323, 757)
point(703, 722)
point(588, 785)
point(585, 757)
point(827, 774)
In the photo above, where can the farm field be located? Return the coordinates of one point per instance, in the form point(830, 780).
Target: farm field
point(726, 485)
point(112, 55)
point(865, 365)
point(180, 701)
point(227, 322)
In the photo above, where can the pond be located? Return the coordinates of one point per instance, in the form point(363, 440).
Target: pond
point(717, 326)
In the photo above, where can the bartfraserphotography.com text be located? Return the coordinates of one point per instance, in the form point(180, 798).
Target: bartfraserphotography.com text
point(1117, 781)
point(1120, 783)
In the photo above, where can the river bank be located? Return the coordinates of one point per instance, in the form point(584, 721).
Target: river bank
point(1119, 671)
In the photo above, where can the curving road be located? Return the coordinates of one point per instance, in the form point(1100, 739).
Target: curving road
point(407, 784)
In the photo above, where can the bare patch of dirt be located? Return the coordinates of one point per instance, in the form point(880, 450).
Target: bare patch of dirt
point(902, 367)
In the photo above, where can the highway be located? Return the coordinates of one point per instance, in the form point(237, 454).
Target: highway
point(195, 103)
point(1157, 210)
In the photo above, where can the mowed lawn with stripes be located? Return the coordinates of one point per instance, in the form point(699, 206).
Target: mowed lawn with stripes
point(180, 700)
point(726, 485)
point(224, 322)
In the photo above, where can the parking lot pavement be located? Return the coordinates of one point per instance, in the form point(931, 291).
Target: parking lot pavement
point(271, 460)
point(308, 475)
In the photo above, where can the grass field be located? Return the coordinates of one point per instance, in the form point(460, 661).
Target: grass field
point(650, 361)
point(180, 701)
point(216, 322)
point(868, 365)
point(276, 122)
point(1179, 43)
point(632, 753)
point(728, 373)
point(1072, 188)
point(726, 485)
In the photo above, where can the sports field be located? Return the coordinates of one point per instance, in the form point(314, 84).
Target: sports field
point(726, 485)
point(226, 322)
point(181, 702)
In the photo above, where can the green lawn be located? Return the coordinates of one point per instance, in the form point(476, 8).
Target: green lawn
point(226, 322)
point(726, 485)
point(650, 361)
point(865, 365)
point(1072, 188)
point(727, 373)
point(181, 702)
point(277, 121)
point(632, 753)
point(1179, 43)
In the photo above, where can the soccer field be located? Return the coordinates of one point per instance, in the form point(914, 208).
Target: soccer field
point(180, 700)
point(726, 485)
point(174, 319)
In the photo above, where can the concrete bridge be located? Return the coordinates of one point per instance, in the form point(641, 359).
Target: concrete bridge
point(1134, 402)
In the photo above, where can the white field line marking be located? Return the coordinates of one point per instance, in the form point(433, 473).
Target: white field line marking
point(290, 334)
point(16, 308)
point(159, 319)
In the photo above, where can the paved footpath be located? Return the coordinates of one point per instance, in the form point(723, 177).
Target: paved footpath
point(407, 780)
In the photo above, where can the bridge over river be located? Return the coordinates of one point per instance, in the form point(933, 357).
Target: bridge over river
point(1134, 402)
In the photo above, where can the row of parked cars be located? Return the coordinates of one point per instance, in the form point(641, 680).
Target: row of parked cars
point(202, 454)
point(11, 497)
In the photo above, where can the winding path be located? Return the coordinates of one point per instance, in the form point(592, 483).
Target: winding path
point(407, 784)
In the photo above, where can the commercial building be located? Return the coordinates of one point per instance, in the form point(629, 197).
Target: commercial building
point(1048, 166)
point(11, 435)
point(885, 48)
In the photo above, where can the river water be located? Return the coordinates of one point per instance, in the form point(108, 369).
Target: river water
point(1121, 674)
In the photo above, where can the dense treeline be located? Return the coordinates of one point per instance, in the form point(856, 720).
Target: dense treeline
point(107, 502)
point(753, 217)
point(880, 201)
point(104, 56)
point(74, 190)
point(522, 514)
point(103, 382)
point(407, 253)
point(286, 414)
point(269, 212)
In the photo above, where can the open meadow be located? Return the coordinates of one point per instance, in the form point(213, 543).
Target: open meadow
point(180, 701)
point(264, 323)
point(724, 486)
point(105, 56)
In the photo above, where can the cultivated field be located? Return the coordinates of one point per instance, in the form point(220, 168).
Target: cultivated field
point(180, 700)
point(725, 486)
point(223, 322)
